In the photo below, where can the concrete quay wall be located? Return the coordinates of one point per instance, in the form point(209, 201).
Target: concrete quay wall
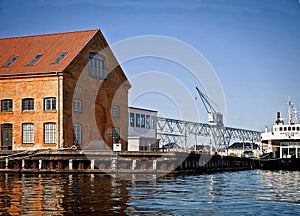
point(79, 161)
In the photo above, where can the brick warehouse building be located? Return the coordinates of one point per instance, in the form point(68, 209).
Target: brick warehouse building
point(57, 90)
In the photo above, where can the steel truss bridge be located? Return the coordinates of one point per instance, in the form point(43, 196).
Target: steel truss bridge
point(183, 134)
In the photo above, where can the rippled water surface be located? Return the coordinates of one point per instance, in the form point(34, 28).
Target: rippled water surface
point(254, 192)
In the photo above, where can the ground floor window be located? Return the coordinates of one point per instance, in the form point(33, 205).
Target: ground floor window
point(116, 135)
point(50, 133)
point(6, 136)
point(290, 150)
point(77, 134)
point(28, 133)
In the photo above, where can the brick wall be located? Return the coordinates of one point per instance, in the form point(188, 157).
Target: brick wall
point(97, 98)
point(17, 88)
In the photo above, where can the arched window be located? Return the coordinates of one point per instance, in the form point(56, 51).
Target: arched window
point(77, 89)
point(96, 66)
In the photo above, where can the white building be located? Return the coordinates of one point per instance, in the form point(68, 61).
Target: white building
point(142, 129)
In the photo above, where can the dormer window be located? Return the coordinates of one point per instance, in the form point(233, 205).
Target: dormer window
point(96, 66)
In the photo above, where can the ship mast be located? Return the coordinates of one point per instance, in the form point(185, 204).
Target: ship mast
point(292, 112)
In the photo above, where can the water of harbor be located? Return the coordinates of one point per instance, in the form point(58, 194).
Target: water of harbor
point(254, 192)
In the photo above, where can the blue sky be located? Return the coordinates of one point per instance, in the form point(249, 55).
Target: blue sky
point(253, 46)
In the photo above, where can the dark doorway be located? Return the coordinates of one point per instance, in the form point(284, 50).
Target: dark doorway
point(6, 137)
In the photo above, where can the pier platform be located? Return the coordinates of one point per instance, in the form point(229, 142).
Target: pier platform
point(84, 161)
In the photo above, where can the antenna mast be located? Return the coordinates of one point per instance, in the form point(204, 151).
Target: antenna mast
point(292, 112)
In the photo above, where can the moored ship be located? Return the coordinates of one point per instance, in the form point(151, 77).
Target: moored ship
point(284, 138)
point(282, 143)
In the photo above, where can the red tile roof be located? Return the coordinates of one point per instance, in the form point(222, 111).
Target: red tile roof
point(50, 45)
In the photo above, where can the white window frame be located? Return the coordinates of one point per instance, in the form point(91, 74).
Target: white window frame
point(28, 133)
point(49, 103)
point(50, 133)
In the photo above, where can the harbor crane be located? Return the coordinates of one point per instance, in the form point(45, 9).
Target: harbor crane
point(214, 120)
point(178, 131)
point(215, 117)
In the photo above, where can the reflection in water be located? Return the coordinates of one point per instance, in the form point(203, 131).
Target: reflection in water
point(31, 194)
point(254, 192)
point(282, 185)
